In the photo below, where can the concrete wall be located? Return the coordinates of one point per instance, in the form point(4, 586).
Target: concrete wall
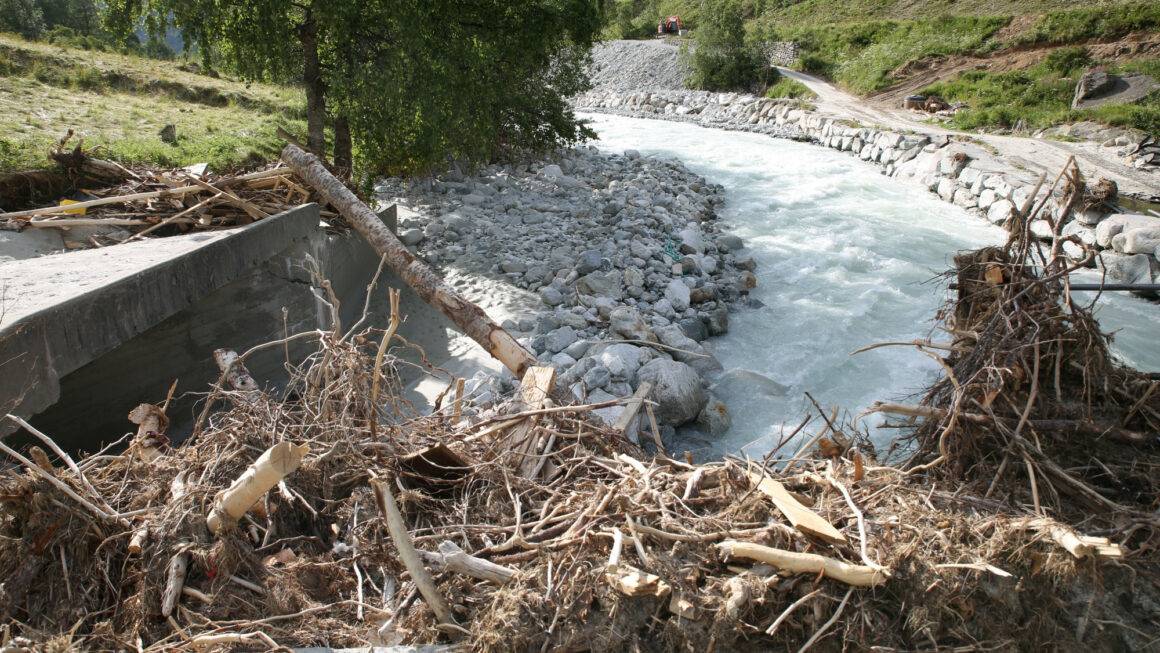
point(230, 296)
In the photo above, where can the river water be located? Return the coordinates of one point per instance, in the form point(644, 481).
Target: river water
point(846, 257)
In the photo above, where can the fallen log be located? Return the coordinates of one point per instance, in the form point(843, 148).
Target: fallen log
point(804, 563)
point(470, 318)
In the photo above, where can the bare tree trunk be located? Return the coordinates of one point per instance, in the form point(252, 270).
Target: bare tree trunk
point(467, 316)
point(343, 157)
point(312, 80)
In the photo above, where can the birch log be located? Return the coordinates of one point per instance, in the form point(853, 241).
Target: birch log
point(804, 563)
point(271, 467)
point(422, 279)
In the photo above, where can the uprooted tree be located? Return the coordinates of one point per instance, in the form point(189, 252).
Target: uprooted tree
point(411, 84)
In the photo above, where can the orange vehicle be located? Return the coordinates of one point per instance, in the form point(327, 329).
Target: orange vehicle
point(670, 25)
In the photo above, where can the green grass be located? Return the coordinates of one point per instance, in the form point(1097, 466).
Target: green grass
point(119, 103)
point(790, 88)
point(1041, 96)
point(862, 56)
point(1088, 23)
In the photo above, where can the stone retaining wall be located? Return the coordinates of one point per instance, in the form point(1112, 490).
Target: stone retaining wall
point(956, 169)
point(780, 53)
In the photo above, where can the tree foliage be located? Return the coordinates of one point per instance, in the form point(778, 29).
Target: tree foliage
point(415, 81)
point(721, 59)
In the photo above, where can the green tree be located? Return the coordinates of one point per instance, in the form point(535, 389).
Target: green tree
point(721, 60)
point(409, 82)
point(23, 17)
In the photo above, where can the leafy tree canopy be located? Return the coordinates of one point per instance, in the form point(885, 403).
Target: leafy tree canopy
point(414, 81)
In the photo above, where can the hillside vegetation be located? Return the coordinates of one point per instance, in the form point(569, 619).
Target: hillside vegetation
point(869, 46)
point(121, 102)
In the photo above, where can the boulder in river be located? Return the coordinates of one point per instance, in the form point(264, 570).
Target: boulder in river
point(676, 389)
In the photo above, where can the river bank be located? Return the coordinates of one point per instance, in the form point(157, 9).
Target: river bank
point(620, 271)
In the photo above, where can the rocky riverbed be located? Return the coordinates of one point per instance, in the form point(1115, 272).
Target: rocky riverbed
point(630, 270)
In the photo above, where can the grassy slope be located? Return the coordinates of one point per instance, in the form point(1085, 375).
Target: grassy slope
point(867, 41)
point(121, 103)
point(861, 44)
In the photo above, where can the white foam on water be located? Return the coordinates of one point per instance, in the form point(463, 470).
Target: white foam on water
point(846, 257)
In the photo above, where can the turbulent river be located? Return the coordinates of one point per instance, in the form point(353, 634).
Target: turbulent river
point(847, 257)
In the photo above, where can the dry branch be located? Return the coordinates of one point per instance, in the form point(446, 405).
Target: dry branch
point(804, 563)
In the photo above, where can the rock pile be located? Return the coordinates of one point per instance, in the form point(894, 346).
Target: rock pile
point(625, 254)
point(626, 65)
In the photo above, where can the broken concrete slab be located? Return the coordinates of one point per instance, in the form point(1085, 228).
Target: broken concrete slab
point(60, 312)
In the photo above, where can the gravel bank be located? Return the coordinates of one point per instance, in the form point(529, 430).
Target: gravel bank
point(629, 267)
point(632, 65)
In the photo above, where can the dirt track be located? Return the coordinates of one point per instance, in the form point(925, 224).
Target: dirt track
point(1032, 154)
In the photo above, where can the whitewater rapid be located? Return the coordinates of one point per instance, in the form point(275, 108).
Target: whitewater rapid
point(846, 257)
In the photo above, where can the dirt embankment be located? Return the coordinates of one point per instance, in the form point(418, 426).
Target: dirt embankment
point(916, 75)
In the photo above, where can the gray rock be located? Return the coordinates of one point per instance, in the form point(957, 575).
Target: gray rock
point(622, 360)
point(560, 339)
point(551, 296)
point(678, 295)
point(597, 377)
point(412, 237)
point(1141, 241)
point(1128, 268)
point(516, 267)
point(1112, 225)
point(1000, 212)
point(694, 327)
point(578, 349)
point(718, 321)
point(627, 323)
point(676, 389)
point(601, 284)
point(714, 418)
point(589, 261)
point(730, 242)
point(744, 383)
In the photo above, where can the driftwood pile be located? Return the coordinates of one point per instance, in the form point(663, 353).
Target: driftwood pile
point(329, 513)
point(145, 202)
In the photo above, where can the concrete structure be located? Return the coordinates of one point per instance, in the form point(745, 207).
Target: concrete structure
point(86, 336)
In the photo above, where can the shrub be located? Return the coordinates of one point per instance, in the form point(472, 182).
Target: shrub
point(721, 60)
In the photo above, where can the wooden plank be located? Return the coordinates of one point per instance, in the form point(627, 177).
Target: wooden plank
point(535, 389)
point(632, 408)
point(802, 518)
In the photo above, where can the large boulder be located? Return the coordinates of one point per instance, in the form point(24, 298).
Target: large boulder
point(744, 383)
point(1129, 268)
point(687, 350)
point(1092, 84)
point(1141, 241)
point(1111, 226)
point(676, 389)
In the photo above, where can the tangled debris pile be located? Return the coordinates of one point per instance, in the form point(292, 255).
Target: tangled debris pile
point(133, 204)
point(329, 513)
